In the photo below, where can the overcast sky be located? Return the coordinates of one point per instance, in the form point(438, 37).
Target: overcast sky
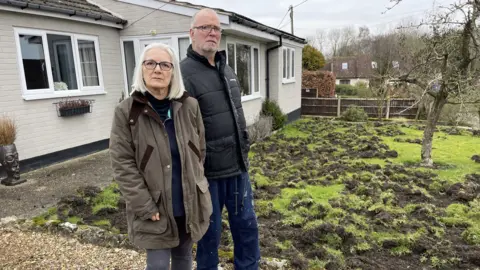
point(327, 14)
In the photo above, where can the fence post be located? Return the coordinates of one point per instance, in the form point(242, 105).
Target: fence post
point(339, 105)
point(388, 108)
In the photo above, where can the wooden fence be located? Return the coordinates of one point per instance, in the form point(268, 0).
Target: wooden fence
point(397, 107)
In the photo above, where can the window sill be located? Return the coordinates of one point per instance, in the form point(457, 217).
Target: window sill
point(251, 97)
point(63, 94)
point(285, 81)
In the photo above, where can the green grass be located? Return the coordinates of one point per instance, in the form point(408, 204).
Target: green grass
point(319, 194)
point(108, 198)
point(291, 131)
point(455, 150)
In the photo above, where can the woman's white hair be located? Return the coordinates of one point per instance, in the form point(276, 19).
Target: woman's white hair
point(176, 82)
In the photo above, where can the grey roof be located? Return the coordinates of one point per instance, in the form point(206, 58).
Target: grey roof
point(240, 19)
point(80, 8)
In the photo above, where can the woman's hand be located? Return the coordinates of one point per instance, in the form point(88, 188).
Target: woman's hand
point(156, 217)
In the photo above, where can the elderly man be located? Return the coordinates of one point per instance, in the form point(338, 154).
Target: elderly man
point(214, 84)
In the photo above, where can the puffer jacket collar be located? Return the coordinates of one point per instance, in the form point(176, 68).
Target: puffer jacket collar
point(220, 58)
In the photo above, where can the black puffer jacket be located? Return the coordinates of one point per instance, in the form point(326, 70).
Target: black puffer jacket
point(218, 93)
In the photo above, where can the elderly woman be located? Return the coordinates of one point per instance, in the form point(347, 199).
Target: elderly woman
point(157, 148)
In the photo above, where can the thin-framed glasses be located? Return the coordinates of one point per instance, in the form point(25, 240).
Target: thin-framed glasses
point(209, 28)
point(151, 65)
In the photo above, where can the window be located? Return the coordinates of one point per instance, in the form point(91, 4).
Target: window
point(288, 65)
point(183, 44)
point(244, 60)
point(344, 81)
point(58, 64)
point(374, 65)
point(344, 65)
point(395, 64)
point(129, 56)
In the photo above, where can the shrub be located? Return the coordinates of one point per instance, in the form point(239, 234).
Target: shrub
point(8, 130)
point(323, 81)
point(271, 108)
point(312, 59)
point(354, 114)
point(345, 90)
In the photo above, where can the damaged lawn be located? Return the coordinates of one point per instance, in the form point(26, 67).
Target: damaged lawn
point(335, 195)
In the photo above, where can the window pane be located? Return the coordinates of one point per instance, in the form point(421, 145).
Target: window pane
point(129, 62)
point(183, 44)
point(244, 65)
point(257, 70)
point(88, 62)
point(34, 64)
point(293, 63)
point(288, 64)
point(63, 65)
point(284, 63)
point(231, 55)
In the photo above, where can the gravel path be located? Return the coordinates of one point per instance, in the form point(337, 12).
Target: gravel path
point(35, 250)
point(45, 187)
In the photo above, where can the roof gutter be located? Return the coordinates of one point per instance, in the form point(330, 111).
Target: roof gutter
point(70, 12)
point(253, 24)
point(268, 66)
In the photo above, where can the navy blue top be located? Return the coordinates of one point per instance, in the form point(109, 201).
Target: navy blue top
point(163, 107)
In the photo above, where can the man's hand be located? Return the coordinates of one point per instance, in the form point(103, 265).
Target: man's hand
point(156, 217)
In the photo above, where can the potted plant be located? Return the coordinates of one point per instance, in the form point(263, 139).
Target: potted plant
point(9, 161)
point(73, 107)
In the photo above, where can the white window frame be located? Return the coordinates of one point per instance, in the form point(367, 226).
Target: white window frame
point(50, 92)
point(288, 65)
point(256, 93)
point(138, 49)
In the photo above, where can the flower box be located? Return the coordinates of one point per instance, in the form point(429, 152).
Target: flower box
point(73, 107)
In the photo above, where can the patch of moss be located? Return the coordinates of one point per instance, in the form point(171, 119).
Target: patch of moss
point(263, 208)
point(287, 244)
point(74, 219)
point(108, 198)
point(225, 254)
point(400, 251)
point(102, 223)
point(472, 235)
point(261, 181)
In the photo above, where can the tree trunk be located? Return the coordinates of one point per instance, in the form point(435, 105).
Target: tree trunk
point(432, 120)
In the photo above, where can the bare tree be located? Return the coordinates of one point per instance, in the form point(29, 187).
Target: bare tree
point(334, 37)
point(446, 65)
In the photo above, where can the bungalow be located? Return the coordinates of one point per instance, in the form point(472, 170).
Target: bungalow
point(352, 70)
point(82, 49)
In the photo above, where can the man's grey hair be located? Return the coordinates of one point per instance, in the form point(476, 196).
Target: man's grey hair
point(194, 17)
point(176, 86)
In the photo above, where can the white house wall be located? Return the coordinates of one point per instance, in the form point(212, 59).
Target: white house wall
point(141, 24)
point(289, 95)
point(40, 130)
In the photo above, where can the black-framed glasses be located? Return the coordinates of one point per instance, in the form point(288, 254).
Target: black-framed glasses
point(151, 65)
point(209, 28)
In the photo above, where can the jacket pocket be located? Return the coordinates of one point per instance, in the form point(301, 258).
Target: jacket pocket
point(195, 150)
point(146, 157)
point(204, 201)
point(221, 155)
point(150, 226)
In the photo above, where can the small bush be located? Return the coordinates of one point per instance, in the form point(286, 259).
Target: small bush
point(271, 108)
point(354, 114)
point(345, 90)
point(8, 130)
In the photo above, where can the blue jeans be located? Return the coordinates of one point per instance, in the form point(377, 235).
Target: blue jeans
point(236, 194)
